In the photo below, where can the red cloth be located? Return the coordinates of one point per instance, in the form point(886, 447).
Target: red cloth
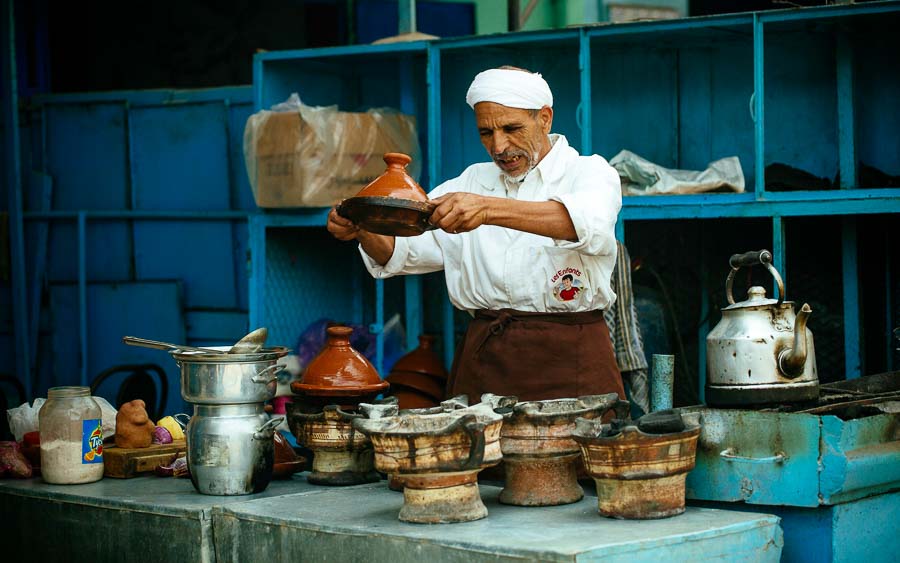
point(535, 356)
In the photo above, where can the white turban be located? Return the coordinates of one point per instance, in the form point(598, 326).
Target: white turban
point(510, 88)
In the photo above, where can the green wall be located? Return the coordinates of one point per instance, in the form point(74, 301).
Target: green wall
point(490, 15)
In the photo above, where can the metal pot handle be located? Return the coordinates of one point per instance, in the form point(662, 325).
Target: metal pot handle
point(475, 431)
point(750, 259)
point(729, 455)
point(260, 377)
point(267, 430)
point(181, 423)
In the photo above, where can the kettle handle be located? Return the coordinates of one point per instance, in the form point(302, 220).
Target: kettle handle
point(750, 259)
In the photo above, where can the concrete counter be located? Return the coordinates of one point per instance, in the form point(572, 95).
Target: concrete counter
point(163, 519)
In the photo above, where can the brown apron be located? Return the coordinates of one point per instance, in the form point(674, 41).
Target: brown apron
point(535, 356)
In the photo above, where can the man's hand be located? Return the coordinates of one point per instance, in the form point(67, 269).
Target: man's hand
point(340, 227)
point(379, 247)
point(460, 212)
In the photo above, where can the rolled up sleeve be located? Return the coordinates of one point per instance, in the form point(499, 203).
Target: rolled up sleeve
point(593, 201)
point(412, 255)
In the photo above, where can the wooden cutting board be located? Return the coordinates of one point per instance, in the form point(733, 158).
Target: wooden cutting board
point(124, 463)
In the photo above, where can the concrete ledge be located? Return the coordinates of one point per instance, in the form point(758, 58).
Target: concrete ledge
point(360, 524)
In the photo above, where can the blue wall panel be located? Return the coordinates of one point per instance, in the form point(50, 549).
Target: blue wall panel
point(201, 254)
point(152, 310)
point(878, 141)
point(87, 155)
point(634, 93)
point(86, 150)
point(180, 157)
point(715, 86)
point(801, 102)
point(108, 257)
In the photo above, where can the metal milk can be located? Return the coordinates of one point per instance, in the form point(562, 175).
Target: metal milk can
point(760, 352)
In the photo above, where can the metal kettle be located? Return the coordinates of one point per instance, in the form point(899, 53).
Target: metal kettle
point(760, 352)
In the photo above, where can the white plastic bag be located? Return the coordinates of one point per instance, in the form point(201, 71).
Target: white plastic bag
point(24, 418)
point(642, 177)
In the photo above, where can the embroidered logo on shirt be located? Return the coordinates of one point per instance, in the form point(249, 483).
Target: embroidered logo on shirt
point(567, 284)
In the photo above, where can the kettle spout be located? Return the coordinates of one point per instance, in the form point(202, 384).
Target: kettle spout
point(792, 360)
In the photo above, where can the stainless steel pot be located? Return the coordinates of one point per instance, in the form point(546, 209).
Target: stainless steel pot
point(208, 379)
point(230, 449)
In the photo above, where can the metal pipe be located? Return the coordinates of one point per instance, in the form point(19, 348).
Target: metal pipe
point(82, 296)
point(407, 16)
point(378, 327)
point(662, 382)
point(512, 15)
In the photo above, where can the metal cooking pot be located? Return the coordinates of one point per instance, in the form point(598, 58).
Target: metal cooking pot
point(215, 379)
point(230, 449)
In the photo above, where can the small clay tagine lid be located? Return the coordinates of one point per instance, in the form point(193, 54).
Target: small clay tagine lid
point(395, 182)
point(339, 370)
point(423, 359)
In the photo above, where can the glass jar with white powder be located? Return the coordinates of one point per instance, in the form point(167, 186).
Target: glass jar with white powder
point(71, 437)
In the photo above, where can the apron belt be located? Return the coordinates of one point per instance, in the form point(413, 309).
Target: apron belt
point(502, 317)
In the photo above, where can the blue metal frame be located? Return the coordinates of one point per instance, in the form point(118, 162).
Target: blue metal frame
point(14, 186)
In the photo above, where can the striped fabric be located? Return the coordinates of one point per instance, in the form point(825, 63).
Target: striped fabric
point(625, 333)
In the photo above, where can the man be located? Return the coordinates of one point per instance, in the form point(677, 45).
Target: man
point(509, 232)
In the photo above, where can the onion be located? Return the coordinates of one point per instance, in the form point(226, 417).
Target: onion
point(162, 436)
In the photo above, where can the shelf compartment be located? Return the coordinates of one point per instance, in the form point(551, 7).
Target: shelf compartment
point(679, 98)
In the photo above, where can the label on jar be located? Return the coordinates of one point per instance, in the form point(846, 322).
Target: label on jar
point(91, 441)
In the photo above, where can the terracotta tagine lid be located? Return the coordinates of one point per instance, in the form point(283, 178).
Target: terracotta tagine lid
point(392, 204)
point(423, 359)
point(395, 182)
point(339, 370)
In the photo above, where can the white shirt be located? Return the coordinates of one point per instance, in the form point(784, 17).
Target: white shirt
point(498, 268)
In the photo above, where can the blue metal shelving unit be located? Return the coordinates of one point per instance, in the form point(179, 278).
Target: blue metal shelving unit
point(744, 114)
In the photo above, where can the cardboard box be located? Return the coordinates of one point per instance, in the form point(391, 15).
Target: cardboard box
point(319, 163)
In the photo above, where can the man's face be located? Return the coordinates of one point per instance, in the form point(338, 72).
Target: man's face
point(567, 283)
point(515, 139)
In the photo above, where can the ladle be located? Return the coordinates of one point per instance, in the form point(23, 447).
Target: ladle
point(144, 343)
point(250, 343)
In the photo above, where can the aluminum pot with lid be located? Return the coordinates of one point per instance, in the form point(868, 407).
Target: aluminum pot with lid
point(231, 449)
point(216, 379)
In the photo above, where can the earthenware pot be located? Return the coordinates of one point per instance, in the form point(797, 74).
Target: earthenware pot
point(638, 475)
point(539, 455)
point(437, 457)
point(339, 374)
point(342, 455)
point(422, 360)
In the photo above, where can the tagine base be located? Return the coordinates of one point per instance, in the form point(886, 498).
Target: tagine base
point(344, 468)
point(541, 481)
point(641, 499)
point(442, 498)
